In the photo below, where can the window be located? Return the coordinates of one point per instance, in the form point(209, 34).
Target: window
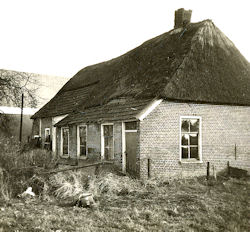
point(131, 126)
point(82, 141)
point(107, 142)
point(47, 135)
point(47, 142)
point(190, 138)
point(65, 141)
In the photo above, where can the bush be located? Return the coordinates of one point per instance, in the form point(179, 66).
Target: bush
point(18, 166)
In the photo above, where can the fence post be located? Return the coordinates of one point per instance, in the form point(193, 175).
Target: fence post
point(149, 168)
point(228, 168)
point(235, 151)
point(208, 170)
point(214, 172)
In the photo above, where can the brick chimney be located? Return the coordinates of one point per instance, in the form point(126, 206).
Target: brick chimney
point(182, 17)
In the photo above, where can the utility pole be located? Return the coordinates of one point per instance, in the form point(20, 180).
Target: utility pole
point(21, 121)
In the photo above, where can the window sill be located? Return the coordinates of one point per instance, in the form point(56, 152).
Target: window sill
point(191, 161)
point(82, 157)
point(64, 156)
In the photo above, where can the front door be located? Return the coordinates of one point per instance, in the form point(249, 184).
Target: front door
point(131, 146)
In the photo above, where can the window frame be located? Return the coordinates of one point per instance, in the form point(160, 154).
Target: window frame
point(102, 139)
point(78, 141)
point(61, 153)
point(191, 160)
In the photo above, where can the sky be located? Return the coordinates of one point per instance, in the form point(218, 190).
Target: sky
point(60, 37)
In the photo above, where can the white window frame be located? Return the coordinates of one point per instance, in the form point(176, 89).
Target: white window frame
point(102, 139)
point(191, 160)
point(47, 129)
point(62, 155)
point(78, 141)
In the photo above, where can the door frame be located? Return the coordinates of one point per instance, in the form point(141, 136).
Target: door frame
point(102, 139)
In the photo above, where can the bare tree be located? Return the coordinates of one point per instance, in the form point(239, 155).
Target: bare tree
point(13, 84)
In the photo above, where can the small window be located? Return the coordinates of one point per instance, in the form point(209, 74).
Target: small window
point(65, 141)
point(131, 125)
point(82, 141)
point(190, 138)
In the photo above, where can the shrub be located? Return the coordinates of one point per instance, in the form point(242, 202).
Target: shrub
point(18, 167)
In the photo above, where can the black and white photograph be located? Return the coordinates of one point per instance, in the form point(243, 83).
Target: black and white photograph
point(124, 115)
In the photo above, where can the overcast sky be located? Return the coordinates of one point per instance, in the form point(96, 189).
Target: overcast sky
point(60, 37)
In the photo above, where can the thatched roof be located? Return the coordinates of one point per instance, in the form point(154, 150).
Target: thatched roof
point(197, 63)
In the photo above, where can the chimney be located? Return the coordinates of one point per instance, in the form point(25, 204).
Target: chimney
point(182, 17)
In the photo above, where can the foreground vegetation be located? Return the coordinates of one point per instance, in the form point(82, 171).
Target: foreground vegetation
point(122, 203)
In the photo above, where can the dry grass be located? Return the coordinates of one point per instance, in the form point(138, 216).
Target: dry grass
point(132, 205)
point(124, 204)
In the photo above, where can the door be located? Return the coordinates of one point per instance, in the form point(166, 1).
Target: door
point(131, 146)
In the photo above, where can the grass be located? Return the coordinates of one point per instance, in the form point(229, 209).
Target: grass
point(123, 204)
point(132, 205)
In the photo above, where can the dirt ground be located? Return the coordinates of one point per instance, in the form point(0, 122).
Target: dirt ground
point(187, 205)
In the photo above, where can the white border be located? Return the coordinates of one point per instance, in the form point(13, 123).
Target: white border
point(200, 140)
point(54, 130)
point(61, 153)
point(102, 139)
point(148, 109)
point(78, 141)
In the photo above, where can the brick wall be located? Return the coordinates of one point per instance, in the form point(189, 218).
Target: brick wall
point(225, 137)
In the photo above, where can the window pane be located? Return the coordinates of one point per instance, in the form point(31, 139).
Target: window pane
point(82, 134)
point(193, 139)
point(82, 150)
point(65, 136)
point(108, 130)
point(184, 152)
point(65, 140)
point(82, 131)
point(47, 135)
point(194, 152)
point(184, 139)
point(130, 125)
point(65, 150)
point(185, 125)
point(194, 125)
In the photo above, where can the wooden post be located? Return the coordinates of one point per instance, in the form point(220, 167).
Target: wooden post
point(21, 121)
point(214, 172)
point(149, 168)
point(235, 151)
point(208, 170)
point(228, 168)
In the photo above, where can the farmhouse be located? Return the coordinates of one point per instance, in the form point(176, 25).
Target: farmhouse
point(167, 107)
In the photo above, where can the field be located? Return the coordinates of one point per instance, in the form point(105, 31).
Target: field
point(124, 204)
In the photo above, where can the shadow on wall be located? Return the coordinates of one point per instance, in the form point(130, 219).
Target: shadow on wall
point(10, 126)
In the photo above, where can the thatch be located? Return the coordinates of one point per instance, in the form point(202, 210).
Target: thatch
point(197, 64)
